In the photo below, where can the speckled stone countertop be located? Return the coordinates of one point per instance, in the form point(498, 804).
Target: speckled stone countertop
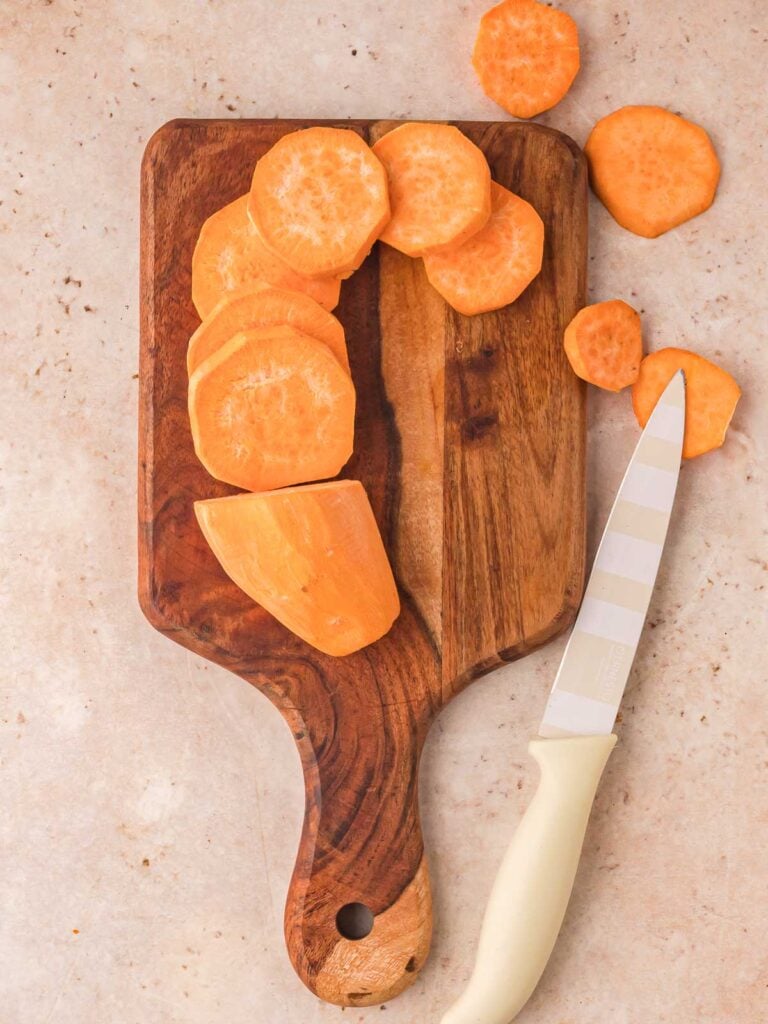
point(151, 803)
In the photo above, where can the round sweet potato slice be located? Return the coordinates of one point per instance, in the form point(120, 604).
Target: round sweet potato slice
point(711, 395)
point(311, 556)
point(497, 264)
point(651, 168)
point(526, 55)
point(439, 187)
point(272, 407)
point(604, 344)
point(319, 199)
point(230, 255)
point(265, 307)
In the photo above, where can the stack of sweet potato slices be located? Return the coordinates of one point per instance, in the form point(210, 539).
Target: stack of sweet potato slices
point(271, 399)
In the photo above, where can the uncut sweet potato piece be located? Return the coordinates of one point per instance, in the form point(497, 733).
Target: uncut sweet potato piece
point(439, 187)
point(604, 344)
point(311, 556)
point(651, 168)
point(266, 307)
point(497, 264)
point(711, 395)
point(526, 56)
point(319, 199)
point(272, 407)
point(230, 255)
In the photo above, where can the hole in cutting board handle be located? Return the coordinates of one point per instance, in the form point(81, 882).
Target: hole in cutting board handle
point(354, 921)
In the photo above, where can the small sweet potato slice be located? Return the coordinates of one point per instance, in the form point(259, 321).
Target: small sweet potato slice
point(526, 55)
point(272, 407)
point(311, 556)
point(439, 187)
point(319, 200)
point(711, 395)
point(651, 168)
point(230, 255)
point(497, 264)
point(604, 344)
point(266, 307)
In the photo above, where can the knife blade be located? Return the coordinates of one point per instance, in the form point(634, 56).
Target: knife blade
point(590, 682)
point(532, 889)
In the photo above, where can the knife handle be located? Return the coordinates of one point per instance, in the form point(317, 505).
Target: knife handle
point(531, 892)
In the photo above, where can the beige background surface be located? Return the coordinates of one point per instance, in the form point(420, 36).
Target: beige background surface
point(151, 803)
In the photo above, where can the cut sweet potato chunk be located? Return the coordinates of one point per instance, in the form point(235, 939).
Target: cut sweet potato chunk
point(526, 56)
point(711, 395)
point(497, 264)
point(312, 557)
point(266, 307)
point(439, 187)
point(272, 407)
point(604, 344)
point(319, 199)
point(230, 255)
point(651, 168)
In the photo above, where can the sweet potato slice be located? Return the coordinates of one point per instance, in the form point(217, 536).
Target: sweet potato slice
point(651, 168)
point(272, 407)
point(312, 557)
point(439, 187)
point(495, 265)
point(230, 255)
point(265, 307)
point(319, 199)
point(604, 344)
point(711, 395)
point(526, 56)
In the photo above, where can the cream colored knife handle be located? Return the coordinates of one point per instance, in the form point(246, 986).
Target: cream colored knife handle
point(531, 892)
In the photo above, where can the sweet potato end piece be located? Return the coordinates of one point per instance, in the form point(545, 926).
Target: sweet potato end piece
point(312, 556)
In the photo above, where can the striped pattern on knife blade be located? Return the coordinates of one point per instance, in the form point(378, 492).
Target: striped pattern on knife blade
point(590, 682)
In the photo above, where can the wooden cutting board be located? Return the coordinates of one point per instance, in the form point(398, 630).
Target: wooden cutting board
point(470, 437)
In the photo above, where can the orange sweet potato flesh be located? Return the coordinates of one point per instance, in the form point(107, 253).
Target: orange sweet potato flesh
point(604, 344)
point(497, 264)
point(311, 556)
point(526, 56)
point(651, 168)
point(272, 407)
point(711, 395)
point(319, 199)
point(230, 255)
point(439, 187)
point(265, 307)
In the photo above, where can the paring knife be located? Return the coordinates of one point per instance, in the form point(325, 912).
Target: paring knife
point(531, 892)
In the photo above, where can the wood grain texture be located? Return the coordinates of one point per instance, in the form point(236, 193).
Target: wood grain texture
point(469, 439)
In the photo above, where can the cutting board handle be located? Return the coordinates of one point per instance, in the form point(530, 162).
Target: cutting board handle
point(358, 917)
